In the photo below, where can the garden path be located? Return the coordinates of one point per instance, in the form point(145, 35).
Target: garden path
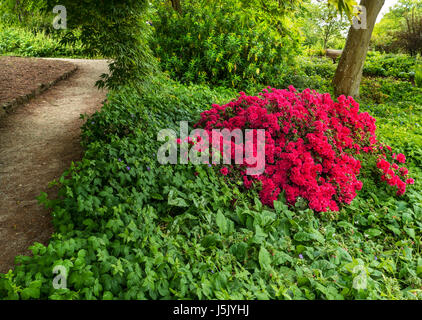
point(38, 142)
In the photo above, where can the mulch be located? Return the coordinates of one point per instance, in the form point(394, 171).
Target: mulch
point(24, 77)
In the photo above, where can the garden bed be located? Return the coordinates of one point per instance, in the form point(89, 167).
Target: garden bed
point(24, 78)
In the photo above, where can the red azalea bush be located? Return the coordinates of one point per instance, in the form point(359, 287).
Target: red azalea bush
point(311, 145)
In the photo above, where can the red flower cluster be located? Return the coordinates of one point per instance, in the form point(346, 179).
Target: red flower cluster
point(310, 145)
point(391, 172)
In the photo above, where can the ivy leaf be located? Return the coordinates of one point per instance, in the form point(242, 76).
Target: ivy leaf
point(394, 229)
point(279, 206)
point(176, 201)
point(260, 235)
point(157, 196)
point(209, 241)
point(239, 250)
point(373, 232)
point(221, 222)
point(33, 291)
point(107, 295)
point(264, 258)
point(419, 268)
point(410, 232)
point(302, 236)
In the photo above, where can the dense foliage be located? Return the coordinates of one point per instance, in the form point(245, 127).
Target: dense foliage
point(317, 72)
point(323, 27)
point(400, 29)
point(114, 30)
point(390, 65)
point(22, 42)
point(221, 44)
point(130, 228)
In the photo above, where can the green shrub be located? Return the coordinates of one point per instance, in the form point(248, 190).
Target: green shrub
point(221, 45)
point(382, 90)
point(314, 72)
point(21, 42)
point(323, 67)
point(400, 66)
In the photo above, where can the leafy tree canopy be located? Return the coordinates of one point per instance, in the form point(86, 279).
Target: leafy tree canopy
point(116, 29)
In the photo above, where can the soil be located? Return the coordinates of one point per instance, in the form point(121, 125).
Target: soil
point(20, 76)
point(38, 142)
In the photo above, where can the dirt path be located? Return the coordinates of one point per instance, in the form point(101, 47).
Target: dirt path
point(38, 141)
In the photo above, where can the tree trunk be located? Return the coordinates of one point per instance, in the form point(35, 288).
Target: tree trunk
point(325, 41)
point(176, 5)
point(349, 71)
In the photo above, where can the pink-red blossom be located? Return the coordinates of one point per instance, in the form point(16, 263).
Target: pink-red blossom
point(312, 145)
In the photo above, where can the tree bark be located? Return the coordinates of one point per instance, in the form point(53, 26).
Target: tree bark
point(176, 5)
point(349, 71)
